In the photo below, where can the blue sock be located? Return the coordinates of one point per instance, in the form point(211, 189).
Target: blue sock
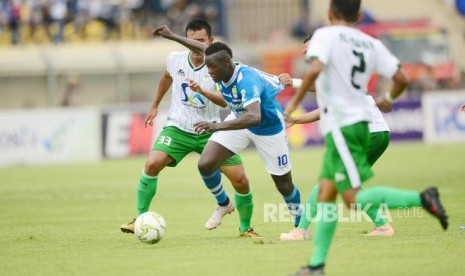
point(213, 183)
point(293, 203)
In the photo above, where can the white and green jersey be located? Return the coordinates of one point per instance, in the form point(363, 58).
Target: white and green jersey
point(188, 107)
point(350, 58)
point(377, 122)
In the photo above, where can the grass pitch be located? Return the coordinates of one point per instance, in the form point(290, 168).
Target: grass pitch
point(64, 220)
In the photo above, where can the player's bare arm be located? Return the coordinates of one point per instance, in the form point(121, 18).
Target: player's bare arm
point(308, 84)
point(163, 86)
point(215, 98)
point(251, 118)
point(193, 45)
point(400, 82)
point(306, 118)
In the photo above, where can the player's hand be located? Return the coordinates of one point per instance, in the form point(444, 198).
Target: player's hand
point(285, 79)
point(383, 104)
point(194, 86)
point(204, 127)
point(290, 121)
point(151, 116)
point(163, 31)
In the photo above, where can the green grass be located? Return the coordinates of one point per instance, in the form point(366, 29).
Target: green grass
point(64, 220)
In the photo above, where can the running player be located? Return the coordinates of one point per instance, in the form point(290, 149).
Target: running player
point(342, 59)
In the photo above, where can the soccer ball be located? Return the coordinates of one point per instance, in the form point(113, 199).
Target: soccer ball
point(150, 227)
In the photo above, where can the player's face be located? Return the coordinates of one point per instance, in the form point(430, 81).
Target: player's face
point(217, 67)
point(200, 35)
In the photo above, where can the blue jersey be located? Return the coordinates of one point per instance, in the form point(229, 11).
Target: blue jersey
point(247, 86)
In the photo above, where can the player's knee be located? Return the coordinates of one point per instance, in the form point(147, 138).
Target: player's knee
point(241, 183)
point(205, 167)
point(283, 183)
point(152, 167)
point(285, 188)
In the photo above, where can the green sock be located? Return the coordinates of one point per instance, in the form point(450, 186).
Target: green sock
point(309, 209)
point(244, 205)
point(324, 232)
point(145, 192)
point(393, 198)
point(374, 213)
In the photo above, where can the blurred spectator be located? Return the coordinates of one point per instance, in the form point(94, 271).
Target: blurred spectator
point(120, 18)
point(110, 17)
point(13, 9)
point(58, 12)
point(3, 15)
point(35, 17)
point(301, 27)
point(177, 15)
point(81, 12)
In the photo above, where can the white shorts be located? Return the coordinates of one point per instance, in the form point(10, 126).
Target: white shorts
point(273, 150)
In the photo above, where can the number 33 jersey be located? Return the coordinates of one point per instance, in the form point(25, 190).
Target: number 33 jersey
point(188, 107)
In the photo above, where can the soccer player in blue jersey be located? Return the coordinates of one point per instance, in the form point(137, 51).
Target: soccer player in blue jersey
point(255, 118)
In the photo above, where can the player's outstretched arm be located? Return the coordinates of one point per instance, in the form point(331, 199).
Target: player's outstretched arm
point(306, 118)
point(251, 118)
point(215, 98)
point(400, 82)
point(308, 82)
point(163, 86)
point(193, 45)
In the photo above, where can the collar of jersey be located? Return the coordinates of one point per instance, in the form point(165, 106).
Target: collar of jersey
point(234, 75)
point(192, 65)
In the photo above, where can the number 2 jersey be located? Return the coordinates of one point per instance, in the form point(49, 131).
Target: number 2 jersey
point(188, 107)
point(350, 58)
point(249, 85)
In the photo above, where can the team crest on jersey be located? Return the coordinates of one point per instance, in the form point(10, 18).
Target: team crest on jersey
point(191, 98)
point(234, 92)
point(181, 73)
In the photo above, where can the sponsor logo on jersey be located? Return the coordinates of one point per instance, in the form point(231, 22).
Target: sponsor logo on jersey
point(191, 98)
point(181, 73)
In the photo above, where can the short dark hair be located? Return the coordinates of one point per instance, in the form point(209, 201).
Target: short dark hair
point(347, 10)
point(217, 47)
point(307, 38)
point(199, 24)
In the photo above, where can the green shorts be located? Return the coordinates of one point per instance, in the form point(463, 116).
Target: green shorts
point(345, 161)
point(177, 144)
point(378, 143)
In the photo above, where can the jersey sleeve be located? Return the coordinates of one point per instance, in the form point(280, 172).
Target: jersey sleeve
point(251, 87)
point(320, 45)
point(386, 63)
